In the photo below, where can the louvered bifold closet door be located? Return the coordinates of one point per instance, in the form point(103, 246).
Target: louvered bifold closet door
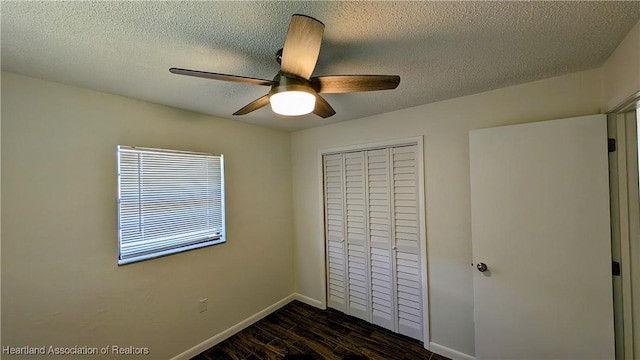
point(334, 205)
point(380, 242)
point(357, 249)
point(407, 245)
point(373, 237)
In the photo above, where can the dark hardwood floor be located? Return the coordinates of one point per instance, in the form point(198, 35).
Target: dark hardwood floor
point(298, 329)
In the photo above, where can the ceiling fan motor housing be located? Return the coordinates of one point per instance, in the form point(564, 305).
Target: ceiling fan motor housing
point(286, 82)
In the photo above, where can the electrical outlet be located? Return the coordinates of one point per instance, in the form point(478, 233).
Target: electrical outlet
point(203, 305)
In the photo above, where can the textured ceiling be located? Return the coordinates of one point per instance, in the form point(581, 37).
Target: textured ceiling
point(441, 50)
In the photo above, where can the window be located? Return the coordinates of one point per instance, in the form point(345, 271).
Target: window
point(168, 202)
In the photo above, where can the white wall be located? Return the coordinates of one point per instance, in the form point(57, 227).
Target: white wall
point(445, 126)
point(61, 284)
point(621, 71)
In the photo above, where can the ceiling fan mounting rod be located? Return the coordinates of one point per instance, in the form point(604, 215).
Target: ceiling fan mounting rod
point(279, 56)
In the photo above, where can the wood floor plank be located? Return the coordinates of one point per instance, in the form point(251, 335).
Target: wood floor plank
point(419, 349)
point(371, 349)
point(227, 351)
point(332, 325)
point(416, 356)
point(282, 319)
point(301, 329)
point(343, 351)
point(284, 347)
point(349, 322)
point(216, 353)
point(374, 354)
point(277, 331)
point(396, 351)
point(300, 309)
point(319, 344)
point(258, 348)
point(259, 334)
point(236, 348)
point(321, 330)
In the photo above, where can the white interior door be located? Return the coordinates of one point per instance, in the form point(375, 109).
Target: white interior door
point(540, 223)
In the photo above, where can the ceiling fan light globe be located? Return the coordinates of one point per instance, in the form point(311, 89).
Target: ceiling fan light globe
point(292, 103)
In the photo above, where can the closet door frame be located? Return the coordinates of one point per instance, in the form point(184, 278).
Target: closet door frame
point(418, 141)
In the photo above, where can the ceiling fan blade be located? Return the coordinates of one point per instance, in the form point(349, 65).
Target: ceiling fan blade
point(302, 46)
point(323, 109)
point(354, 83)
point(255, 105)
point(223, 77)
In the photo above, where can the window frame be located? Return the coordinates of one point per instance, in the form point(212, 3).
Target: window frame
point(177, 249)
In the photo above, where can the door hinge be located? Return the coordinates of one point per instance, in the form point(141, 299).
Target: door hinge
point(612, 144)
point(615, 268)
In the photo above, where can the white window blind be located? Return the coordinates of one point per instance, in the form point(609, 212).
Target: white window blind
point(168, 202)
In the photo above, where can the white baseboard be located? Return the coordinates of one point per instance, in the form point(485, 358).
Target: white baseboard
point(218, 338)
point(188, 354)
point(450, 353)
point(309, 301)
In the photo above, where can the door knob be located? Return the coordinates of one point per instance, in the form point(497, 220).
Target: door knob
point(482, 267)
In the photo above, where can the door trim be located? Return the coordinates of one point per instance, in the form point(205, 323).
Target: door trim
point(418, 141)
point(623, 163)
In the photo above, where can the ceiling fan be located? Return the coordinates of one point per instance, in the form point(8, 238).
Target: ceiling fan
point(293, 91)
